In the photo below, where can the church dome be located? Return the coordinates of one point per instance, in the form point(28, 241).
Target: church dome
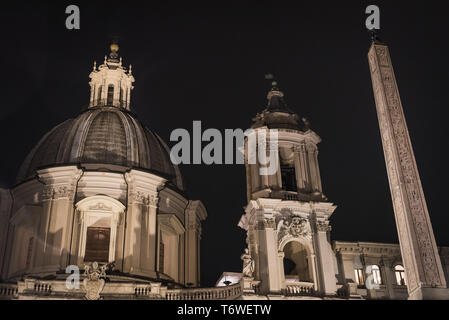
point(102, 136)
point(106, 136)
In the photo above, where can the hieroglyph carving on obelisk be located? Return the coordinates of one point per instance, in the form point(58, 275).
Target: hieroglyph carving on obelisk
point(418, 247)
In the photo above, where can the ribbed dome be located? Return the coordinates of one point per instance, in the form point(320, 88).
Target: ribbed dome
point(102, 135)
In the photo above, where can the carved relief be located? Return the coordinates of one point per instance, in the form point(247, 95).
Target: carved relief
point(57, 192)
point(100, 206)
point(408, 198)
point(292, 226)
point(94, 281)
point(145, 198)
point(323, 226)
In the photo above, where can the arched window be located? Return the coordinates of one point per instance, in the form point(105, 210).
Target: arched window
point(296, 263)
point(375, 272)
point(110, 95)
point(399, 271)
point(288, 174)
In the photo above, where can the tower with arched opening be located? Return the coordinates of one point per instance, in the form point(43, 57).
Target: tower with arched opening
point(287, 216)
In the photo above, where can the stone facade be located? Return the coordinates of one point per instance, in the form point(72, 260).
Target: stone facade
point(108, 202)
point(81, 203)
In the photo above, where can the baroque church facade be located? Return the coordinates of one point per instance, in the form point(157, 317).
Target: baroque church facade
point(100, 195)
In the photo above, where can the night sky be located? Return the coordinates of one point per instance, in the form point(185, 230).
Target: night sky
point(197, 62)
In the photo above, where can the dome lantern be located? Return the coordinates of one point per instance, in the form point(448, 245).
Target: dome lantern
point(111, 83)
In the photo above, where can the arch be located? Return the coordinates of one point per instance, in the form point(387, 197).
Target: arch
point(302, 240)
point(399, 273)
point(85, 203)
point(374, 271)
point(297, 260)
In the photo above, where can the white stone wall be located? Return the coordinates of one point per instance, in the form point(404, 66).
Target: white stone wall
point(56, 209)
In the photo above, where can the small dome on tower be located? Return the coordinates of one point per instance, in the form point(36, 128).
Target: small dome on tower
point(276, 114)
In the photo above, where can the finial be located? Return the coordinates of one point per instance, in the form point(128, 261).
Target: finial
point(274, 87)
point(114, 47)
point(95, 66)
point(130, 69)
point(105, 59)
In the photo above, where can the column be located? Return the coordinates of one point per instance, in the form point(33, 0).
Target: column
point(418, 247)
point(268, 257)
point(299, 168)
point(325, 253)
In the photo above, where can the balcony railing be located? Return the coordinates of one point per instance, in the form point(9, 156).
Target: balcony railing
point(299, 289)
point(8, 291)
point(218, 293)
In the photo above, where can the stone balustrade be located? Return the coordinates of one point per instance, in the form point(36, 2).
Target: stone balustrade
point(8, 291)
point(218, 293)
point(299, 289)
point(57, 289)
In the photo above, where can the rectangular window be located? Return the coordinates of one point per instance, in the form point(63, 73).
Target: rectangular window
point(288, 175)
point(97, 244)
point(359, 278)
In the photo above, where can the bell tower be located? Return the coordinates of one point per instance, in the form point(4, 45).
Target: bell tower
point(287, 215)
point(111, 83)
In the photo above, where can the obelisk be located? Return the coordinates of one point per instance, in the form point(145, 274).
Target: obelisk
point(424, 273)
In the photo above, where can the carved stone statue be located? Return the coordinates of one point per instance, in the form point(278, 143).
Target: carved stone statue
point(94, 281)
point(248, 264)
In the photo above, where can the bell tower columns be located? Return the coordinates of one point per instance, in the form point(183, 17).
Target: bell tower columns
point(287, 216)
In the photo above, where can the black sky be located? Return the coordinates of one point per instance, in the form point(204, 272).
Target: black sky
point(207, 62)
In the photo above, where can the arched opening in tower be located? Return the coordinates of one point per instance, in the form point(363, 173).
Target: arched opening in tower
point(110, 95)
point(296, 262)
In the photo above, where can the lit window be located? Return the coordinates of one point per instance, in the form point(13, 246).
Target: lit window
point(399, 271)
point(375, 272)
point(359, 277)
